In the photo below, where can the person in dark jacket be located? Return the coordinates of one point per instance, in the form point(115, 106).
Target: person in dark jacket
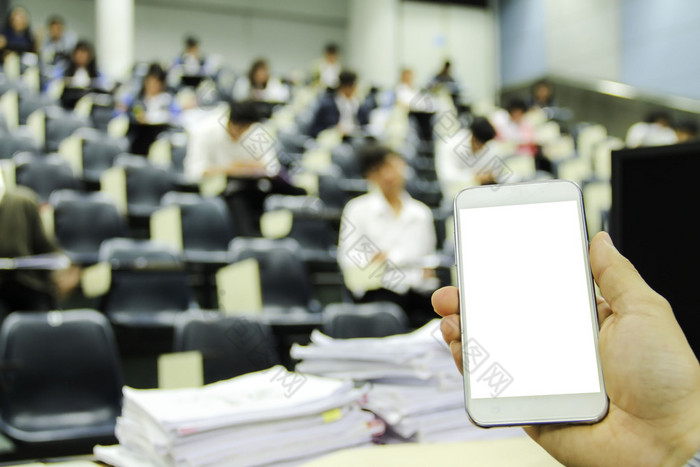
point(341, 109)
point(16, 35)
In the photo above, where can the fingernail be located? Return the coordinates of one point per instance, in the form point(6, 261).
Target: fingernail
point(607, 239)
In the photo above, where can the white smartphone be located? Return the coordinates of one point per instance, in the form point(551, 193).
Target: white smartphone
point(527, 305)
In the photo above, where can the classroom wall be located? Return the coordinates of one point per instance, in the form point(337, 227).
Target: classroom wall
point(430, 33)
point(644, 43)
point(377, 37)
point(289, 34)
point(659, 41)
point(372, 40)
point(583, 38)
point(523, 52)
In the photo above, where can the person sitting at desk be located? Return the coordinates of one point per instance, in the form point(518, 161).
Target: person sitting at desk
point(259, 85)
point(22, 234)
point(192, 65)
point(341, 109)
point(221, 147)
point(58, 44)
point(191, 59)
point(655, 130)
point(326, 71)
point(390, 236)
point(16, 35)
point(512, 126)
point(239, 148)
point(465, 160)
point(151, 111)
point(406, 91)
point(81, 76)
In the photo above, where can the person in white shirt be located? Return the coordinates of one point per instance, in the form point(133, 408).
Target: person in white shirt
point(243, 150)
point(153, 105)
point(238, 146)
point(512, 126)
point(327, 70)
point(464, 160)
point(655, 131)
point(389, 236)
point(406, 92)
point(260, 86)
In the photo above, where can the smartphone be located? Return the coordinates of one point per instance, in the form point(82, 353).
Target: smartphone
point(527, 305)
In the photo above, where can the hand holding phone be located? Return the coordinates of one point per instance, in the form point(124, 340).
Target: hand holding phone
point(528, 308)
point(652, 375)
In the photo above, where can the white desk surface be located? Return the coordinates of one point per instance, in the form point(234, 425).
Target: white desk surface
point(519, 451)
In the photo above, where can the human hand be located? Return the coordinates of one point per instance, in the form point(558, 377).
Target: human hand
point(651, 375)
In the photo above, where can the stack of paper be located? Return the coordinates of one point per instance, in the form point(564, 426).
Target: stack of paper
point(261, 418)
point(416, 388)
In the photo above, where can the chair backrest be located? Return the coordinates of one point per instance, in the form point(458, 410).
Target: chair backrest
point(99, 152)
point(344, 157)
point(60, 124)
point(284, 279)
point(18, 140)
point(67, 370)
point(310, 228)
point(230, 346)
point(128, 253)
point(206, 222)
point(82, 221)
point(331, 193)
point(148, 292)
point(102, 110)
point(145, 184)
point(147, 277)
point(28, 103)
point(45, 174)
point(378, 319)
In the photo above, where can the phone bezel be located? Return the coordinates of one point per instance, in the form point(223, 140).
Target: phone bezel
point(509, 411)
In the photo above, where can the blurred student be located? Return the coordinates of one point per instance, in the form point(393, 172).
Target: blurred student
point(228, 148)
point(58, 43)
point(258, 85)
point(217, 146)
point(390, 235)
point(652, 376)
point(512, 126)
point(444, 79)
point(327, 70)
point(81, 76)
point(444, 76)
point(686, 131)
point(542, 95)
point(465, 160)
point(191, 58)
point(16, 35)
point(655, 130)
point(151, 111)
point(153, 104)
point(22, 234)
point(341, 109)
point(406, 91)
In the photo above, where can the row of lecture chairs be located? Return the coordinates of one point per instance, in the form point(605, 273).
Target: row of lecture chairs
point(61, 375)
point(200, 227)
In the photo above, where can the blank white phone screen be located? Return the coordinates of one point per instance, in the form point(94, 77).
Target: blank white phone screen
point(526, 304)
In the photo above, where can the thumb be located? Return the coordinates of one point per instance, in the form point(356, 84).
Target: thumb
point(619, 282)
